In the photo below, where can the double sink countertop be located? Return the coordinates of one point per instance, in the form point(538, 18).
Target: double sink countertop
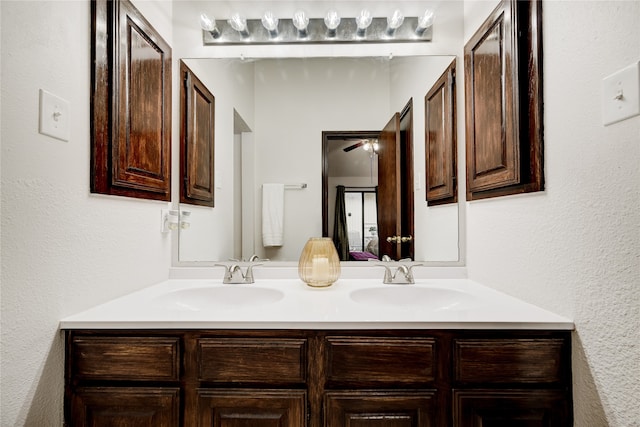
point(192, 302)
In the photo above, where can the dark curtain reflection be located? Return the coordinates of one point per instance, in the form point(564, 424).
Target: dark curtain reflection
point(340, 236)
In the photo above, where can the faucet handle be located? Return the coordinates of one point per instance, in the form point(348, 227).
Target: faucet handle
point(232, 273)
point(248, 277)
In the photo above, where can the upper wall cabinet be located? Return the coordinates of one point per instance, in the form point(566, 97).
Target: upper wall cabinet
point(197, 113)
point(503, 96)
point(130, 104)
point(440, 139)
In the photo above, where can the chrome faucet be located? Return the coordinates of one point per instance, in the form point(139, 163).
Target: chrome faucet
point(233, 270)
point(403, 274)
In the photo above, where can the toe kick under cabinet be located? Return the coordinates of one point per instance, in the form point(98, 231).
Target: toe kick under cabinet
point(338, 378)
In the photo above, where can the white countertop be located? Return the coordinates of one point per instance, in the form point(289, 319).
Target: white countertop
point(302, 307)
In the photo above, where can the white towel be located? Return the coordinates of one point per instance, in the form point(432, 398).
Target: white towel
point(272, 214)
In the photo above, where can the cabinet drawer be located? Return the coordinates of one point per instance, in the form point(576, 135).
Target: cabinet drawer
point(125, 406)
point(126, 358)
point(383, 408)
point(508, 361)
point(379, 361)
point(252, 360)
point(250, 407)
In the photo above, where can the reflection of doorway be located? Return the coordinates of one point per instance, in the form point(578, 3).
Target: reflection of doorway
point(394, 181)
point(352, 168)
point(362, 219)
point(243, 189)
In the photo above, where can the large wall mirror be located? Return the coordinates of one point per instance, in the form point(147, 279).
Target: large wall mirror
point(270, 118)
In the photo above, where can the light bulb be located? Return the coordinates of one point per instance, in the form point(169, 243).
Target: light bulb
point(332, 20)
point(239, 23)
point(394, 22)
point(270, 22)
point(363, 21)
point(424, 22)
point(209, 24)
point(301, 21)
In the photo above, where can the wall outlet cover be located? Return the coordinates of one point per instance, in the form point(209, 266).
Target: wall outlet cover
point(621, 94)
point(54, 116)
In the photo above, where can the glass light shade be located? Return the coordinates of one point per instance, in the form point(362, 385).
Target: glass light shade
point(319, 264)
point(300, 20)
point(363, 20)
point(426, 20)
point(394, 22)
point(270, 22)
point(238, 23)
point(207, 24)
point(332, 20)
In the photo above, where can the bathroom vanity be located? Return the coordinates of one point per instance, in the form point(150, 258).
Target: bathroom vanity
point(318, 358)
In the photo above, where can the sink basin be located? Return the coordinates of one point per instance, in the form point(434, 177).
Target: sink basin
point(431, 298)
point(226, 297)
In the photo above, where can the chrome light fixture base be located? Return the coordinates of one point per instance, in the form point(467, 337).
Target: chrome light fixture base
point(347, 32)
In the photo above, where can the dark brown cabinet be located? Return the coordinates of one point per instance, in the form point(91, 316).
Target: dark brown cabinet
point(440, 139)
point(295, 378)
point(130, 104)
point(503, 102)
point(197, 118)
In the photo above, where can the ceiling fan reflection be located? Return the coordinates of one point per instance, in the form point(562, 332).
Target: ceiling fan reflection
point(367, 144)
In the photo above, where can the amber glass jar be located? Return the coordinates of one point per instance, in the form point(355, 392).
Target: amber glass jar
point(319, 264)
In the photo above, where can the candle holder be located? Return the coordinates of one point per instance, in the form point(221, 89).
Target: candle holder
point(319, 264)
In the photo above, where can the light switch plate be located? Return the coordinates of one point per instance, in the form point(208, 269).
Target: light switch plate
point(54, 116)
point(621, 94)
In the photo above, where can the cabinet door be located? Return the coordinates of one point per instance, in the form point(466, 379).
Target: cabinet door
point(130, 103)
point(440, 139)
point(510, 408)
point(125, 407)
point(197, 117)
point(251, 408)
point(380, 409)
point(503, 99)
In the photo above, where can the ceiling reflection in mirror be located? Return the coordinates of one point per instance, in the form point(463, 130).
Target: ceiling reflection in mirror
point(269, 119)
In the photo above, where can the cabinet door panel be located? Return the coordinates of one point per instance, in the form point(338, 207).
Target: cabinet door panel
point(252, 360)
point(126, 358)
point(492, 121)
point(376, 361)
point(197, 110)
point(131, 104)
point(503, 102)
point(380, 409)
point(510, 408)
point(125, 407)
point(509, 361)
point(251, 408)
point(440, 139)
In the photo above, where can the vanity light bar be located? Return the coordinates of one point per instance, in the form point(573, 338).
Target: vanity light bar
point(255, 33)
